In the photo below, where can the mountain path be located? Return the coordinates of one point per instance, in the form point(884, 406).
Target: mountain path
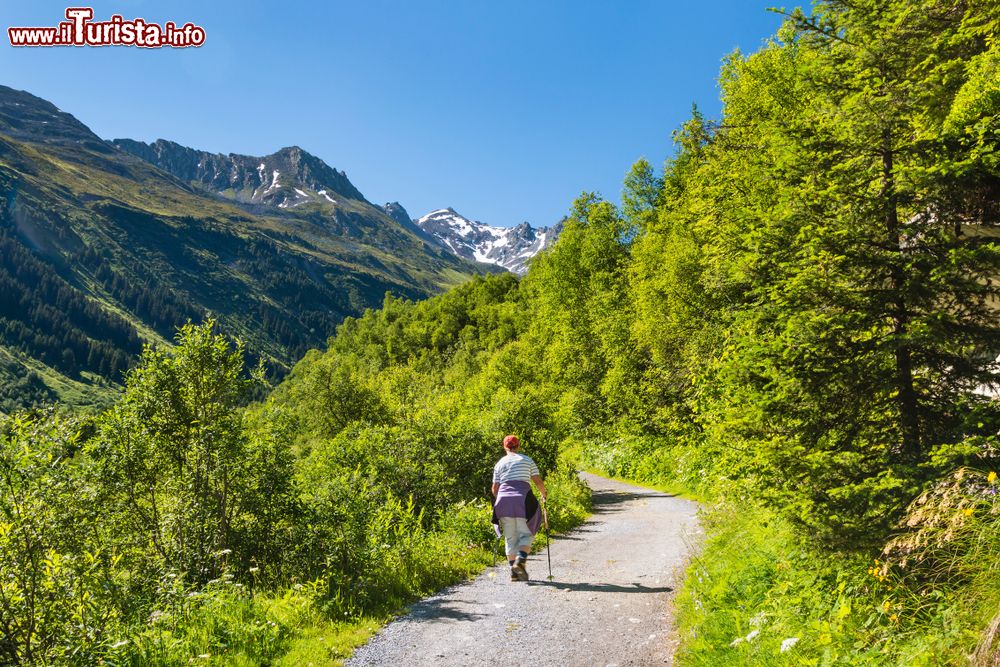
point(608, 604)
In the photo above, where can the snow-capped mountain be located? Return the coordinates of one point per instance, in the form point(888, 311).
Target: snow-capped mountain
point(509, 247)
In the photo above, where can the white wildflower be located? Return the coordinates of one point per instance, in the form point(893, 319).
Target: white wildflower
point(736, 642)
point(753, 635)
point(789, 643)
point(758, 620)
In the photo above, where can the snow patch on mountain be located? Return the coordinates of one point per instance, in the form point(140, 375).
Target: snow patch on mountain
point(509, 247)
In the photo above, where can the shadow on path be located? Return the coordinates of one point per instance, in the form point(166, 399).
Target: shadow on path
point(436, 610)
point(606, 501)
point(601, 588)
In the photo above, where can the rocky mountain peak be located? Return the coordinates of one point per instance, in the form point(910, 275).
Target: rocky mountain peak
point(396, 211)
point(286, 178)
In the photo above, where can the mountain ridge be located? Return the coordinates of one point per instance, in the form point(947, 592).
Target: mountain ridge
point(264, 177)
point(509, 247)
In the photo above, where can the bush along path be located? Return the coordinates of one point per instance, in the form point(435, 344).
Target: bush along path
point(608, 603)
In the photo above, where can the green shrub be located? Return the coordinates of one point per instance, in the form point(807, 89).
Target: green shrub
point(61, 591)
point(470, 523)
point(569, 500)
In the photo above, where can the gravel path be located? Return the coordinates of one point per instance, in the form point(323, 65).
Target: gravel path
point(607, 605)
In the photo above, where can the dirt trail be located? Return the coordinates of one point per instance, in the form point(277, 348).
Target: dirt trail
point(607, 605)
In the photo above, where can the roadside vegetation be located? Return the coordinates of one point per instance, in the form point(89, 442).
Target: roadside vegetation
point(796, 321)
point(180, 525)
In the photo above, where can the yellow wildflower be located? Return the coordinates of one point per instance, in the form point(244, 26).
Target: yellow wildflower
point(893, 618)
point(968, 511)
point(992, 477)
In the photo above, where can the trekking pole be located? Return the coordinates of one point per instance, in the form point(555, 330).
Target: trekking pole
point(548, 548)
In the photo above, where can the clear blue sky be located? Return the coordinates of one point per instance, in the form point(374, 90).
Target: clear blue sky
point(504, 110)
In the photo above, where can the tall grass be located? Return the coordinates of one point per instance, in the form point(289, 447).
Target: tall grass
point(228, 623)
point(758, 594)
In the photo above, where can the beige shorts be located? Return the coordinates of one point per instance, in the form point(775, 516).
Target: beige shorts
point(516, 535)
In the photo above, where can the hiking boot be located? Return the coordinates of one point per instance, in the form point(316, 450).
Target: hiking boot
point(520, 568)
point(514, 573)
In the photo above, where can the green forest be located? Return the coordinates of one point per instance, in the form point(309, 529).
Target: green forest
point(795, 321)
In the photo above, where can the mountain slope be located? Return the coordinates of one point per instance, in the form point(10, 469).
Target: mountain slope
point(276, 179)
point(101, 251)
point(509, 247)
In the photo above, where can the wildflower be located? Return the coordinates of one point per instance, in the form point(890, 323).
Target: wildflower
point(254, 570)
point(969, 511)
point(887, 605)
point(893, 618)
point(787, 644)
point(753, 635)
point(736, 642)
point(991, 478)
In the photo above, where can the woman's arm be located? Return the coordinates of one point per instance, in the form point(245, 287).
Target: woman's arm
point(496, 489)
point(537, 479)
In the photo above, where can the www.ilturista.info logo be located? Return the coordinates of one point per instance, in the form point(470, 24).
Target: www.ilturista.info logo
point(81, 30)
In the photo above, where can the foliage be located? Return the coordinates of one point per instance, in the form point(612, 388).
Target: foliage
point(759, 596)
point(179, 525)
point(59, 589)
point(797, 319)
point(175, 450)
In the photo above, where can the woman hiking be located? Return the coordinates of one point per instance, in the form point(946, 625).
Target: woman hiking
point(516, 513)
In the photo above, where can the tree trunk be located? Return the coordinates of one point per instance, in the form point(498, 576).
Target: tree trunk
point(906, 395)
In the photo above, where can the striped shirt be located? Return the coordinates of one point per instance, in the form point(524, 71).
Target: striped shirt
point(514, 468)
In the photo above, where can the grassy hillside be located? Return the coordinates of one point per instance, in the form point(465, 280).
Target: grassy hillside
point(101, 252)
